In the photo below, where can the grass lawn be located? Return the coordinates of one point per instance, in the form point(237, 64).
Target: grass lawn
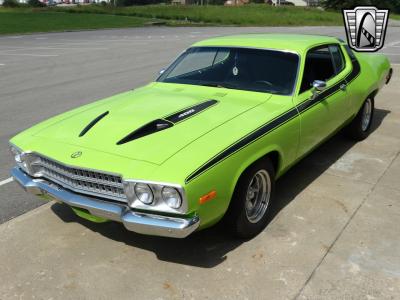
point(28, 20)
point(25, 20)
point(247, 15)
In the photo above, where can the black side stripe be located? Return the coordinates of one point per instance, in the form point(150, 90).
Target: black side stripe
point(274, 124)
point(92, 123)
point(332, 90)
point(190, 111)
point(252, 137)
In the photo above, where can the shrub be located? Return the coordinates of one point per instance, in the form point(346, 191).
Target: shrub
point(339, 4)
point(11, 3)
point(36, 3)
point(137, 2)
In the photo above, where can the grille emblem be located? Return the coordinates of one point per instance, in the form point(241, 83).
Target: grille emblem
point(366, 27)
point(76, 154)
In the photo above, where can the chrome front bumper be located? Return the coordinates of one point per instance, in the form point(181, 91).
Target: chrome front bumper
point(134, 221)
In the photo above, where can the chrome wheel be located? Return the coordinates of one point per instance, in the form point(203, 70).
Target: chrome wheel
point(257, 196)
point(366, 115)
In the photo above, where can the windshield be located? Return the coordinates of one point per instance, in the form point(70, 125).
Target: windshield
point(236, 68)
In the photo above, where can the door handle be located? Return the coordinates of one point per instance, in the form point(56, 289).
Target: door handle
point(343, 86)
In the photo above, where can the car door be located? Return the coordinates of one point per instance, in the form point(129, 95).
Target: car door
point(322, 111)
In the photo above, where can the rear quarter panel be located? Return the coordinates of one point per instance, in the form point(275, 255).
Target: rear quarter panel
point(373, 71)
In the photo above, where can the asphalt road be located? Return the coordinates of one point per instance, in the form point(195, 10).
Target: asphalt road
point(42, 75)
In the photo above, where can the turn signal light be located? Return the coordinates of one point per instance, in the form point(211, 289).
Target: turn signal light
point(207, 197)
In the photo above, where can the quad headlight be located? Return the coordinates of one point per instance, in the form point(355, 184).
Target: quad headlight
point(171, 197)
point(17, 154)
point(155, 196)
point(21, 158)
point(144, 193)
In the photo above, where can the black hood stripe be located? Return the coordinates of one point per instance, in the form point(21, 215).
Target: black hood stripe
point(149, 128)
point(275, 123)
point(190, 111)
point(92, 123)
point(167, 122)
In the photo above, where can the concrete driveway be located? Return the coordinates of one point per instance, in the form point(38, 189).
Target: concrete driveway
point(335, 233)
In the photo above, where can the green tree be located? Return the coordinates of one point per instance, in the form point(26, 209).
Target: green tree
point(11, 3)
point(393, 5)
point(36, 3)
point(138, 2)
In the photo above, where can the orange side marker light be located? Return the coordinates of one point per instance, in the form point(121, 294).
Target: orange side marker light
point(207, 197)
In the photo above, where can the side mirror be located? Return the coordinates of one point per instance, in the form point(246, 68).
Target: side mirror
point(161, 72)
point(319, 85)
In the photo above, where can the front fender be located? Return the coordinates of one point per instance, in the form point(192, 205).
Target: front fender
point(224, 176)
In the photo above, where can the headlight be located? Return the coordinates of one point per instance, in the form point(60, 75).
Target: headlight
point(155, 196)
point(21, 159)
point(171, 197)
point(144, 193)
point(17, 154)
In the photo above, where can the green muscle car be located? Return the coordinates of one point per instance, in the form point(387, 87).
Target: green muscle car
point(208, 139)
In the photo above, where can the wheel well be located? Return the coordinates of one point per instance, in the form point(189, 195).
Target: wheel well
point(273, 156)
point(373, 94)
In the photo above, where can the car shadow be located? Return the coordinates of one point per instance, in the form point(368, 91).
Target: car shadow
point(209, 248)
point(313, 165)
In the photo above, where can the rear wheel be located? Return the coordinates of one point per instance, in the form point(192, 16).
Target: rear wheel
point(248, 211)
point(360, 127)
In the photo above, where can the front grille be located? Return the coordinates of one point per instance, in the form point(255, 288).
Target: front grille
point(82, 181)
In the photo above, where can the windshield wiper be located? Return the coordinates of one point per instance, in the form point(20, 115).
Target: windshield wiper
point(219, 85)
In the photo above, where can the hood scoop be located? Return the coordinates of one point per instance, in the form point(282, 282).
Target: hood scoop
point(147, 129)
point(167, 122)
point(190, 111)
point(92, 123)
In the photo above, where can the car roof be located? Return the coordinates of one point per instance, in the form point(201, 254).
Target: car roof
point(298, 43)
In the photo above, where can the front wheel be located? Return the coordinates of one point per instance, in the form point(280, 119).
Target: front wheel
point(360, 127)
point(248, 211)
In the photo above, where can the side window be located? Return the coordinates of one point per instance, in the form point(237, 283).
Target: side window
point(318, 66)
point(337, 57)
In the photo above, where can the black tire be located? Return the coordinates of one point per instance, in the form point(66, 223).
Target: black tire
point(236, 218)
point(356, 130)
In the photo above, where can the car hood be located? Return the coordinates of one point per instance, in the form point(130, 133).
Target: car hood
point(154, 122)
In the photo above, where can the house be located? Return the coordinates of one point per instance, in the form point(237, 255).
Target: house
point(236, 2)
point(63, 1)
point(296, 2)
point(274, 2)
point(184, 2)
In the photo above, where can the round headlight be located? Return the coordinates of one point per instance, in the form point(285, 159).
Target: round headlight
point(17, 154)
point(171, 197)
point(144, 193)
